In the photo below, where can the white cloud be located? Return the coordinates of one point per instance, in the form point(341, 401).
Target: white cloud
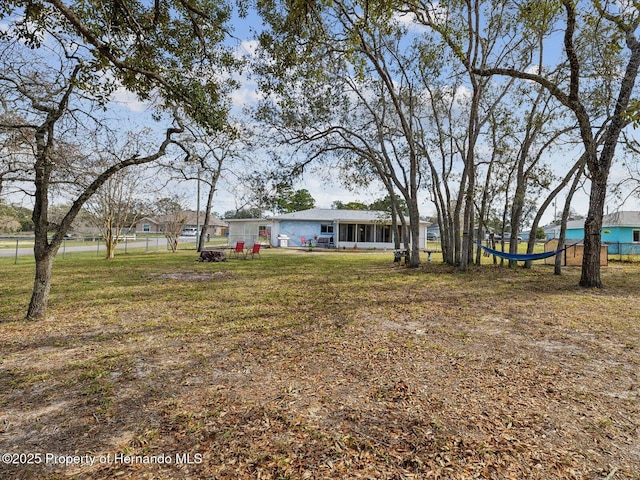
point(410, 22)
point(129, 100)
point(245, 96)
point(434, 13)
point(247, 48)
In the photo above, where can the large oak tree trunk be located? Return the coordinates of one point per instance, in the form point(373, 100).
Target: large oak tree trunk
point(43, 251)
point(592, 233)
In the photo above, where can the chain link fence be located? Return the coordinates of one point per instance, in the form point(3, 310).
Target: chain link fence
point(20, 247)
point(623, 251)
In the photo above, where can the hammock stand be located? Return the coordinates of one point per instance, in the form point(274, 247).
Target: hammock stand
point(523, 257)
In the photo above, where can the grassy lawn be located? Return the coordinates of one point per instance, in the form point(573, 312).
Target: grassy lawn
point(306, 365)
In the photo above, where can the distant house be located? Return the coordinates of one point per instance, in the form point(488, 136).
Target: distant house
point(620, 232)
point(148, 225)
point(217, 227)
point(321, 227)
point(619, 227)
point(552, 231)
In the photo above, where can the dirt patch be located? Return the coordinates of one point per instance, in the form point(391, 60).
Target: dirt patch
point(195, 276)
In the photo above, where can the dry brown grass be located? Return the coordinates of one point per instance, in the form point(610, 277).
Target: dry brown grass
point(311, 365)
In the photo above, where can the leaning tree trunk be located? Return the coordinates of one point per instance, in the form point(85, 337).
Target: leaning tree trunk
point(565, 216)
point(41, 285)
point(557, 265)
point(592, 232)
point(470, 167)
point(396, 211)
point(207, 212)
point(207, 219)
point(516, 214)
point(483, 209)
point(394, 229)
point(599, 169)
point(43, 251)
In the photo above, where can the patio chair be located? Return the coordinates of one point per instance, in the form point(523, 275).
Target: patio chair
point(254, 251)
point(239, 250)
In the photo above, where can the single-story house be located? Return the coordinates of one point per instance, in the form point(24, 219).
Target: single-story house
point(322, 227)
point(620, 232)
point(553, 231)
point(148, 225)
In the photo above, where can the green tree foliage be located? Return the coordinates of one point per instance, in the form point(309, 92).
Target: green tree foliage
point(594, 79)
point(339, 205)
point(15, 218)
point(289, 201)
point(384, 205)
point(171, 47)
point(9, 222)
point(573, 215)
point(582, 56)
point(250, 212)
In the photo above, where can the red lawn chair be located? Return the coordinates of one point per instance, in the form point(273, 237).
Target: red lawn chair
point(239, 250)
point(254, 251)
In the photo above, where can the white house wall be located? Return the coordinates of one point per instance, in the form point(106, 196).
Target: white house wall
point(275, 231)
point(246, 231)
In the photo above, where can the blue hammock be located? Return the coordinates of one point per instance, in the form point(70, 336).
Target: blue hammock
point(523, 257)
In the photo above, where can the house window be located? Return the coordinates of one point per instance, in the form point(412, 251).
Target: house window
point(264, 233)
point(636, 236)
point(366, 233)
point(146, 228)
point(347, 232)
point(357, 232)
point(326, 228)
point(383, 234)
